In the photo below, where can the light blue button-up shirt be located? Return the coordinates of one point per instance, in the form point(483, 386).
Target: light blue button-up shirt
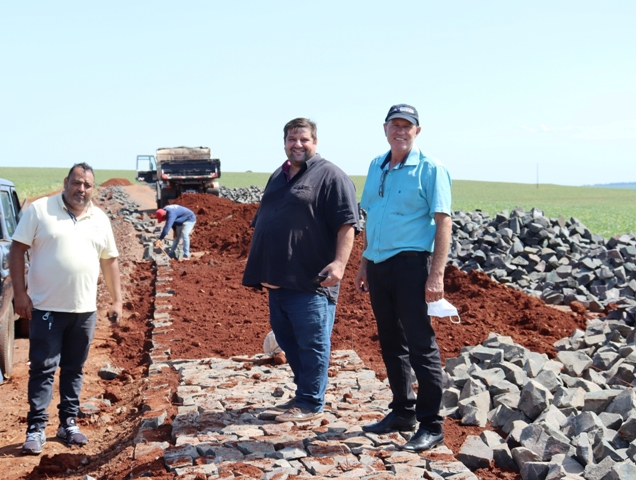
point(403, 218)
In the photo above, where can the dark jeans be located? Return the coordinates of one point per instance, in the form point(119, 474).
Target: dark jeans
point(57, 339)
point(302, 323)
point(407, 339)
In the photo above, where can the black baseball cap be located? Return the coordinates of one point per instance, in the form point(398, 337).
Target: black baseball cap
point(407, 112)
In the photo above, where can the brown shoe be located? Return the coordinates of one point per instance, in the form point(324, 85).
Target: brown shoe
point(298, 415)
point(283, 407)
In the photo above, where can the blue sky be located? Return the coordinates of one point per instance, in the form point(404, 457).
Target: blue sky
point(507, 91)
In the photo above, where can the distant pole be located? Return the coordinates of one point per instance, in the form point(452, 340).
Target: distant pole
point(537, 175)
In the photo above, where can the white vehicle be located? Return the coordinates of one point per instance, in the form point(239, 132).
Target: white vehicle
point(10, 212)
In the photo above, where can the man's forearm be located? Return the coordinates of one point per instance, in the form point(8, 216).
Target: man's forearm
point(363, 260)
point(344, 245)
point(443, 231)
point(16, 267)
point(110, 269)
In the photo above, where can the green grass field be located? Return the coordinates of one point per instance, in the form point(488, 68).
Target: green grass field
point(606, 211)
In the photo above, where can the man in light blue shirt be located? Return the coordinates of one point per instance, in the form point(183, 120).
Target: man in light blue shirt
point(407, 197)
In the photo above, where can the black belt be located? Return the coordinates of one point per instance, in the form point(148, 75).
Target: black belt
point(412, 253)
point(404, 253)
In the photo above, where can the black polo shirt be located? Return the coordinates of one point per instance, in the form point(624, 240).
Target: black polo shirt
point(296, 227)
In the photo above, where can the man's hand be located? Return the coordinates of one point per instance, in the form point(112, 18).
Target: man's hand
point(344, 243)
point(434, 288)
point(115, 312)
point(361, 282)
point(158, 243)
point(23, 305)
point(334, 271)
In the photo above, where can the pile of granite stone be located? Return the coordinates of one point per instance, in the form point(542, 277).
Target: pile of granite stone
point(251, 194)
point(558, 260)
point(572, 417)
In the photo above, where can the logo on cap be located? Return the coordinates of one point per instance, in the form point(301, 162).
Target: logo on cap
point(403, 109)
point(407, 112)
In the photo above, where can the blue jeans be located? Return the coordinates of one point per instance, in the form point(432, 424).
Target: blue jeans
point(183, 232)
point(57, 339)
point(302, 323)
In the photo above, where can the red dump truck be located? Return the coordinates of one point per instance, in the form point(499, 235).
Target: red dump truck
point(179, 170)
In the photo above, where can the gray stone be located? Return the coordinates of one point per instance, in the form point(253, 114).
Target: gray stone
point(544, 441)
point(584, 452)
point(502, 457)
point(562, 466)
point(583, 423)
point(491, 438)
point(534, 470)
point(624, 403)
point(627, 430)
point(575, 363)
point(549, 380)
point(475, 454)
point(611, 420)
point(622, 471)
point(108, 372)
point(598, 402)
point(534, 399)
point(599, 470)
point(565, 397)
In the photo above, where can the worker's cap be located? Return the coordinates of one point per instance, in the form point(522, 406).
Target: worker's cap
point(407, 112)
point(160, 215)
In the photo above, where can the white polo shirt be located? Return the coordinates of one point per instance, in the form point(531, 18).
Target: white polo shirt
point(65, 254)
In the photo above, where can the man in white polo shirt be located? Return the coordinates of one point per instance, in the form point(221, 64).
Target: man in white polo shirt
point(70, 239)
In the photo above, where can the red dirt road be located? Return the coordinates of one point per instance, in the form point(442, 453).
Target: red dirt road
point(213, 315)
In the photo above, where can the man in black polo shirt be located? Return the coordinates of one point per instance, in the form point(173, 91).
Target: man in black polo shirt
point(304, 228)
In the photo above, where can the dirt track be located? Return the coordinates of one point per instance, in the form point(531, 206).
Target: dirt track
point(215, 316)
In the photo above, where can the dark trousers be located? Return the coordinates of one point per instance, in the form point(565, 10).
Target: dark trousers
point(57, 339)
point(407, 339)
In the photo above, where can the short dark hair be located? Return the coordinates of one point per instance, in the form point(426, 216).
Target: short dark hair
point(300, 123)
point(84, 166)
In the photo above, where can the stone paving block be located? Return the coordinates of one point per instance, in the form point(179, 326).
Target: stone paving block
point(475, 454)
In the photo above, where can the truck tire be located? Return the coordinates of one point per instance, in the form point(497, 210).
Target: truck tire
point(165, 197)
point(22, 328)
point(7, 335)
point(213, 191)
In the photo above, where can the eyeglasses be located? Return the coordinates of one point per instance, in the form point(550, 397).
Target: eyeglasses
point(381, 191)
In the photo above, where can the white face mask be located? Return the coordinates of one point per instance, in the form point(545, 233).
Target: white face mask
point(442, 309)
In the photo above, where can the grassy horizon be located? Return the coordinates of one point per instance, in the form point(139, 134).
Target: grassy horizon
point(605, 211)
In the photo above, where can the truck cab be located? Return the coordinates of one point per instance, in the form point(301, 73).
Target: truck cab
point(10, 212)
point(146, 168)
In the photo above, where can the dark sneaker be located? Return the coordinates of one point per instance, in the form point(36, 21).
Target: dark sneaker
point(35, 438)
point(283, 407)
point(298, 415)
point(70, 433)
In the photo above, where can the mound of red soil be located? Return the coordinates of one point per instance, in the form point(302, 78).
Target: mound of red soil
point(116, 182)
point(215, 315)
